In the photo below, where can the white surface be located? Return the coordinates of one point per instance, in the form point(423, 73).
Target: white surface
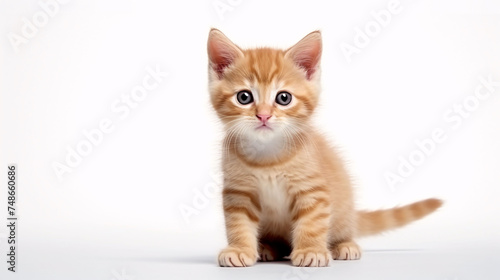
point(120, 205)
point(167, 260)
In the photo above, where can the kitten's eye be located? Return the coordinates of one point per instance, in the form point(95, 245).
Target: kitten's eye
point(283, 98)
point(244, 97)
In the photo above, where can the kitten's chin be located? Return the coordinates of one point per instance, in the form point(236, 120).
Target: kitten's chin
point(265, 133)
point(263, 144)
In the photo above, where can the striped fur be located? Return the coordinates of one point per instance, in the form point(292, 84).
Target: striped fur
point(286, 191)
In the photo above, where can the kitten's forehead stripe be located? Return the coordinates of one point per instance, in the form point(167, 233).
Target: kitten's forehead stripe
point(265, 64)
point(265, 67)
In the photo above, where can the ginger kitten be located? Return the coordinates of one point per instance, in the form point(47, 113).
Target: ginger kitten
point(286, 191)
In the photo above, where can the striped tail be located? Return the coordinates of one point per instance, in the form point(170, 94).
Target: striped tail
point(374, 222)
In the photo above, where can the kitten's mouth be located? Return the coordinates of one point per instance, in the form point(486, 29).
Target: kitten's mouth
point(263, 127)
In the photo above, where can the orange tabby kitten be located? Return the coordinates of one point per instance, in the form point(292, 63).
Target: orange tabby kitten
point(286, 191)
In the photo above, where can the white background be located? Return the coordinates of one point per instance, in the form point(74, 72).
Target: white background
point(118, 212)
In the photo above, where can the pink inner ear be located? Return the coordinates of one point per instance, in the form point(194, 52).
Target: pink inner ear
point(305, 61)
point(307, 53)
point(218, 59)
point(308, 59)
point(220, 64)
point(221, 56)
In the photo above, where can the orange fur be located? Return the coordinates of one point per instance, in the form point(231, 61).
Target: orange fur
point(373, 222)
point(286, 191)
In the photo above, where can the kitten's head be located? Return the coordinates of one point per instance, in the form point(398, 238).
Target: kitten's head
point(266, 94)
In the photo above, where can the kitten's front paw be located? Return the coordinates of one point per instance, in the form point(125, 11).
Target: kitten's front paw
point(311, 257)
point(237, 257)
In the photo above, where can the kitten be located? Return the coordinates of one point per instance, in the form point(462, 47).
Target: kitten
point(286, 191)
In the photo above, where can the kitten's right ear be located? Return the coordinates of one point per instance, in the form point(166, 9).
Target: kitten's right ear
point(307, 53)
point(221, 51)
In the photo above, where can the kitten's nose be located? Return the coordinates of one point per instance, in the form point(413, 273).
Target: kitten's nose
point(263, 118)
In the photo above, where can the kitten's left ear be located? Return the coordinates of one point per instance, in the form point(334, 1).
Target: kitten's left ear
point(307, 53)
point(221, 51)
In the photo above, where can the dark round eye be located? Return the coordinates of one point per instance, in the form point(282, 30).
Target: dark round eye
point(283, 98)
point(244, 97)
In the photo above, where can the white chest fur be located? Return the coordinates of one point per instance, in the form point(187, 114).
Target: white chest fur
point(262, 145)
point(274, 198)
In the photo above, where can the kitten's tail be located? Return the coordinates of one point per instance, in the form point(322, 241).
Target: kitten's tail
point(374, 222)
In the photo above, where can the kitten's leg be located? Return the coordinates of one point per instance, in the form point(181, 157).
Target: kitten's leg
point(347, 250)
point(311, 217)
point(241, 211)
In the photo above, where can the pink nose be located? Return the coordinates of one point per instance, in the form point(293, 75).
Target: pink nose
point(263, 118)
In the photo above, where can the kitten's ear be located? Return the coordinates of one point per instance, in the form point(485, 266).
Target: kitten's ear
point(221, 51)
point(307, 53)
